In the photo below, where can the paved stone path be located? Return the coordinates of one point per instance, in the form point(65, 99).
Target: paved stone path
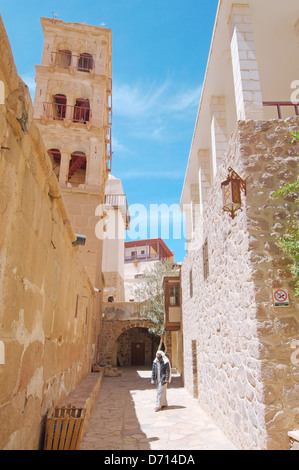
point(123, 418)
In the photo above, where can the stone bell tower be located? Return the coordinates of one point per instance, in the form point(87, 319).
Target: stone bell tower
point(73, 110)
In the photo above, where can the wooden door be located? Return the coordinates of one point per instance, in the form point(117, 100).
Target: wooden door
point(137, 354)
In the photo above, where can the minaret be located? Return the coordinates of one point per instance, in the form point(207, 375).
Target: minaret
point(73, 110)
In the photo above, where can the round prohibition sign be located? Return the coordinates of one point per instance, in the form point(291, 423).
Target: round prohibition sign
point(280, 295)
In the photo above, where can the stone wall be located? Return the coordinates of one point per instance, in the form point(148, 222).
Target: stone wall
point(237, 345)
point(137, 335)
point(118, 318)
point(48, 322)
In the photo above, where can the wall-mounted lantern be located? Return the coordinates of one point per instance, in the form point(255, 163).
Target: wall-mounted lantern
point(231, 193)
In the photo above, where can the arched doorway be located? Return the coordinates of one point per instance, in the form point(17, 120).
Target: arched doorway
point(135, 347)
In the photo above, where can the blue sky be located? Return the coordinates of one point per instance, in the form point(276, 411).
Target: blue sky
point(159, 54)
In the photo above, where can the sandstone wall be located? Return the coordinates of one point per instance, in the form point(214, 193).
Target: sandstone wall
point(114, 285)
point(81, 207)
point(237, 345)
point(48, 321)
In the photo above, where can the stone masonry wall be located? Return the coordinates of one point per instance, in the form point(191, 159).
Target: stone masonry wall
point(137, 335)
point(48, 323)
point(118, 317)
point(237, 345)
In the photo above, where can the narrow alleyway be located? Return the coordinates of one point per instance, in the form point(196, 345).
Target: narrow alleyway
point(124, 419)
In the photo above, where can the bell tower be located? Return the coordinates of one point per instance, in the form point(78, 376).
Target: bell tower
point(73, 110)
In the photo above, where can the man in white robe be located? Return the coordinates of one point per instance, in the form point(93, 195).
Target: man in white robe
point(161, 376)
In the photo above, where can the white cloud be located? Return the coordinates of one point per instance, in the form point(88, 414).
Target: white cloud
point(143, 101)
point(135, 101)
point(117, 145)
point(165, 175)
point(149, 111)
point(187, 99)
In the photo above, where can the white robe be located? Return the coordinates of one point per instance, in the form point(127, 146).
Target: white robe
point(161, 390)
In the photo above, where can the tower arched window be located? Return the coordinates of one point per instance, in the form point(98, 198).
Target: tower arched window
point(82, 110)
point(63, 58)
point(77, 169)
point(59, 106)
point(85, 62)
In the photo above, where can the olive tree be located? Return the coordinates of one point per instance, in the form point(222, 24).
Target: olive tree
point(150, 293)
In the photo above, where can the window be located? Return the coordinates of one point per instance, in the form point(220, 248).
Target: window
point(77, 168)
point(174, 296)
point(85, 62)
point(190, 283)
point(81, 111)
point(63, 58)
point(205, 256)
point(59, 106)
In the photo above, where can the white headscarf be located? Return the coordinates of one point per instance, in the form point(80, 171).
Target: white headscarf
point(165, 360)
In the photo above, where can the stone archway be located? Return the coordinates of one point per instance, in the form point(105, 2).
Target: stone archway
point(111, 331)
point(119, 317)
point(135, 347)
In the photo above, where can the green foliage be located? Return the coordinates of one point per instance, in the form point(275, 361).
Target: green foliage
point(290, 240)
point(295, 137)
point(288, 188)
point(151, 293)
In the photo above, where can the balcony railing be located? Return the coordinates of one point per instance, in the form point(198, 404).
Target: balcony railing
point(67, 60)
point(58, 111)
point(280, 104)
point(143, 257)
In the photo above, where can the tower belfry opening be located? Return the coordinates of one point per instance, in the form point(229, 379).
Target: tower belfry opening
point(59, 106)
point(82, 111)
point(77, 168)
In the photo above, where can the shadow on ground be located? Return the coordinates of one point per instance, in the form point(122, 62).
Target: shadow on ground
point(114, 424)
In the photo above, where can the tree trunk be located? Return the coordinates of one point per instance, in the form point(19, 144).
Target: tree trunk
point(162, 337)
